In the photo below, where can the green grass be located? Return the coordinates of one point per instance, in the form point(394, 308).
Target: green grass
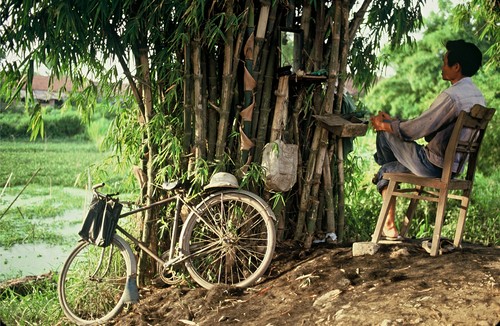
point(63, 163)
point(40, 306)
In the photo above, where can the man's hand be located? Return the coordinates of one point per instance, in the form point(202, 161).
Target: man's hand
point(382, 122)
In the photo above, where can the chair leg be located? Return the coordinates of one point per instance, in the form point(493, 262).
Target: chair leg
point(438, 225)
point(410, 212)
point(383, 211)
point(461, 220)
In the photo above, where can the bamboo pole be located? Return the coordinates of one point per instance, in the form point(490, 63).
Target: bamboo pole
point(261, 54)
point(227, 83)
point(304, 197)
point(249, 98)
point(280, 109)
point(329, 193)
point(199, 108)
point(148, 236)
point(296, 133)
point(212, 113)
point(338, 106)
point(305, 23)
point(188, 103)
point(341, 180)
point(264, 102)
point(261, 30)
point(315, 183)
point(344, 44)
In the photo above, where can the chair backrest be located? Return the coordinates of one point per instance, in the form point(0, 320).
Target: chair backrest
point(465, 141)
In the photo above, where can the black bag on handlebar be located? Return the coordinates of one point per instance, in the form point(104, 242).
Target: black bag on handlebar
point(99, 226)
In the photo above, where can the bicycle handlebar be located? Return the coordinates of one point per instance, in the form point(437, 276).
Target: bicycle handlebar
point(100, 185)
point(97, 186)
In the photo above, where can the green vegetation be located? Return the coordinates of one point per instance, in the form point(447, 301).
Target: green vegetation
point(40, 306)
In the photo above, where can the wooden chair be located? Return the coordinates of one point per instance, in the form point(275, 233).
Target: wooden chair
point(465, 141)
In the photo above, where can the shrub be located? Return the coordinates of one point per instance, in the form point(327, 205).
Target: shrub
point(61, 125)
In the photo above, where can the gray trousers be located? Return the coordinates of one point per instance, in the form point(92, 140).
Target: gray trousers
point(396, 155)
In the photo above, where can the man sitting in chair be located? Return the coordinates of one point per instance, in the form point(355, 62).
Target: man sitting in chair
point(397, 150)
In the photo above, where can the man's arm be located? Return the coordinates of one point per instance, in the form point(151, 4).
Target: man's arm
point(441, 112)
point(382, 122)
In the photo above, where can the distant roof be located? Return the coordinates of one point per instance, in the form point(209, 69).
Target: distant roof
point(44, 90)
point(41, 83)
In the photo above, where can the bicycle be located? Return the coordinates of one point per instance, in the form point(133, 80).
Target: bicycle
point(228, 238)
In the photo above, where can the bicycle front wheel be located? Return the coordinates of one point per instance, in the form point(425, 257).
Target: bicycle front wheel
point(230, 239)
point(92, 283)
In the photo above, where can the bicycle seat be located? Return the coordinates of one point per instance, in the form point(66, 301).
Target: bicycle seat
point(170, 185)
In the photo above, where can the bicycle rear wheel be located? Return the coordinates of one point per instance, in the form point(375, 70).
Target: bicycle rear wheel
point(92, 282)
point(231, 239)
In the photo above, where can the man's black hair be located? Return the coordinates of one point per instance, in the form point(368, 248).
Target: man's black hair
point(466, 54)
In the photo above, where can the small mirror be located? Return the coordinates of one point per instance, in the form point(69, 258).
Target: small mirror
point(291, 48)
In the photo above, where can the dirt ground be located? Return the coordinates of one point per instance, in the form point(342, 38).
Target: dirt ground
point(399, 285)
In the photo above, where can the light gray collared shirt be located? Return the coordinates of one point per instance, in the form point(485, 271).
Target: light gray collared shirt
point(436, 123)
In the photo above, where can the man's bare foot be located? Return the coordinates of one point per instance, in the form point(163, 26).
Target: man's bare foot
point(390, 233)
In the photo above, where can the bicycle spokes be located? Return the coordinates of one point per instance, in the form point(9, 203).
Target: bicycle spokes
point(236, 234)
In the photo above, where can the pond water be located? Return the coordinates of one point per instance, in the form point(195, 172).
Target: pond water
point(39, 258)
point(31, 259)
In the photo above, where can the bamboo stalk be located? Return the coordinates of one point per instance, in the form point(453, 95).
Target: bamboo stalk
point(296, 133)
point(188, 103)
point(344, 42)
point(305, 22)
point(280, 109)
point(227, 83)
point(148, 237)
point(249, 86)
point(261, 28)
point(311, 186)
point(341, 180)
point(329, 196)
point(321, 210)
point(311, 222)
point(212, 113)
point(199, 108)
point(261, 53)
point(338, 106)
point(268, 79)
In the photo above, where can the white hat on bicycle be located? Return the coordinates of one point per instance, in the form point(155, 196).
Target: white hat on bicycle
point(223, 180)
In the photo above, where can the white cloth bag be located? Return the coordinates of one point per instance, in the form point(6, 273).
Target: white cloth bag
point(280, 162)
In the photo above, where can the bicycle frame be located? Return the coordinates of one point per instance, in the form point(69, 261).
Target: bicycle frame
point(172, 258)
